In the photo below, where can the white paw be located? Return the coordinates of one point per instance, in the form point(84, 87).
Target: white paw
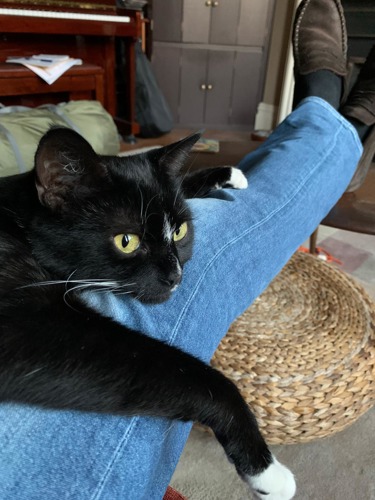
point(237, 179)
point(275, 483)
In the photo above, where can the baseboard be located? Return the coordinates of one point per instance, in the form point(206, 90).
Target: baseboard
point(265, 117)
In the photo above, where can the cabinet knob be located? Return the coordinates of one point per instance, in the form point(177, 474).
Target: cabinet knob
point(203, 86)
point(208, 3)
point(210, 87)
point(215, 4)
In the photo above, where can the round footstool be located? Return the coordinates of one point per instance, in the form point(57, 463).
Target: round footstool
point(303, 355)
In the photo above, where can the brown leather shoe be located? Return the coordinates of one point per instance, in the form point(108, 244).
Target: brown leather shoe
point(319, 37)
point(361, 106)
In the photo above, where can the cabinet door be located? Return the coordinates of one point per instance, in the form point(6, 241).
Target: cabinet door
point(167, 20)
point(219, 75)
point(196, 21)
point(193, 76)
point(224, 22)
point(254, 22)
point(166, 66)
point(246, 88)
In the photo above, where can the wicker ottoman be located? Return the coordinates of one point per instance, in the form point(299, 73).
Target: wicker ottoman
point(303, 355)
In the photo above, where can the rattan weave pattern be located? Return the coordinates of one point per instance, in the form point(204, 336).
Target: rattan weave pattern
point(303, 355)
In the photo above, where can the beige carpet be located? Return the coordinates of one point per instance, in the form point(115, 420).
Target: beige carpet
point(341, 467)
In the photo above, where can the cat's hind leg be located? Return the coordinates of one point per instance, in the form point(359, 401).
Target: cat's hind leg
point(198, 184)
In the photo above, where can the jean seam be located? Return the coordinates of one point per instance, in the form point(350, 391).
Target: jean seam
point(247, 231)
point(99, 489)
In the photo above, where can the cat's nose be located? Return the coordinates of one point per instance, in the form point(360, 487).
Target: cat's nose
point(172, 279)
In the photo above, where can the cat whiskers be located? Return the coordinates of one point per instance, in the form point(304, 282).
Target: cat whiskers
point(144, 217)
point(118, 289)
point(100, 285)
point(98, 282)
point(108, 287)
point(148, 204)
point(139, 295)
point(116, 292)
point(183, 210)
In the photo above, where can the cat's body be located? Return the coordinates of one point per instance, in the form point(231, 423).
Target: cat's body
point(77, 222)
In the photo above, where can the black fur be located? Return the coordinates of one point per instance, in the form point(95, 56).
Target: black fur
point(57, 223)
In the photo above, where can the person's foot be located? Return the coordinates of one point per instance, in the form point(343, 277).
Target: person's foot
point(320, 48)
point(359, 109)
point(319, 37)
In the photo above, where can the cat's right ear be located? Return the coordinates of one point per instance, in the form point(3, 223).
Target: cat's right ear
point(66, 167)
point(174, 156)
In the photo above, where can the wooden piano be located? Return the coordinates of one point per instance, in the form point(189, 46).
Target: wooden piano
point(86, 30)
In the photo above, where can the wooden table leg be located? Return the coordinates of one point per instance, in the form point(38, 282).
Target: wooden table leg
point(313, 241)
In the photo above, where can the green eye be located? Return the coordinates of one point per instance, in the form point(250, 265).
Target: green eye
point(127, 243)
point(180, 232)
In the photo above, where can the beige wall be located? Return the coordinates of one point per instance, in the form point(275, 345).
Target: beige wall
point(279, 43)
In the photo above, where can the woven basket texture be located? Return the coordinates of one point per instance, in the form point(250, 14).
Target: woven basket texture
point(303, 355)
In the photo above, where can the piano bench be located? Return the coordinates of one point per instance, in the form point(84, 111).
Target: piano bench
point(20, 86)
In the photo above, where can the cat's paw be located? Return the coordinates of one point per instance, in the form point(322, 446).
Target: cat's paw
point(275, 483)
point(237, 179)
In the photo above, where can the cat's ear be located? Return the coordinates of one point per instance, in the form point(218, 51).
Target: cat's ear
point(174, 156)
point(66, 166)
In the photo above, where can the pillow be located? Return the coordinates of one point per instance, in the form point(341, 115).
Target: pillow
point(21, 129)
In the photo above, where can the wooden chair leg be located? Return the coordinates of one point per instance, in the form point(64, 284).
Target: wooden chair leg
point(313, 240)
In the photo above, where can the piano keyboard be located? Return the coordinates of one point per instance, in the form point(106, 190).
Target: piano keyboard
point(64, 15)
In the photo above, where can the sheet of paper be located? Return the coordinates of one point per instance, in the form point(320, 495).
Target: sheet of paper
point(48, 69)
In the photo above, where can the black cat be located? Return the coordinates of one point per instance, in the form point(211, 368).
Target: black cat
point(80, 220)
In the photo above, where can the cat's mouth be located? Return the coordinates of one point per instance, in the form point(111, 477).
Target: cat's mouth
point(156, 298)
point(161, 287)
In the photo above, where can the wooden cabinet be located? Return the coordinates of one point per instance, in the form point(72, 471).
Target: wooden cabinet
point(209, 57)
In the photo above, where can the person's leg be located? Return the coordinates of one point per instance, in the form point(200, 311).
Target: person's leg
point(243, 239)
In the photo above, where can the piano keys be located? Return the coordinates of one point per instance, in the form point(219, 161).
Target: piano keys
point(64, 15)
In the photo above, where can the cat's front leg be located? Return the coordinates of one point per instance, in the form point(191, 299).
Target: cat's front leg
point(57, 357)
point(202, 182)
point(274, 483)
point(269, 481)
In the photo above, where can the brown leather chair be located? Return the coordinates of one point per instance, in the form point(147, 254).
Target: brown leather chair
point(354, 211)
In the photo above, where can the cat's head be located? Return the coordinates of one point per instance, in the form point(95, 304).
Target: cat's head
point(121, 222)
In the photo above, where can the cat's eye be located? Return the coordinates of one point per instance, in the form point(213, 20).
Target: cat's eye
point(127, 243)
point(180, 232)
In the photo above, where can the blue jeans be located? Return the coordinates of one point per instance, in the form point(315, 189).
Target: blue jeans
point(243, 239)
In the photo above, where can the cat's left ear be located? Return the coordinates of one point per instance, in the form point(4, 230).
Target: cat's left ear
point(66, 167)
point(174, 156)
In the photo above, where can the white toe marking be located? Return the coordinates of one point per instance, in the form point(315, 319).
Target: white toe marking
point(237, 179)
point(277, 483)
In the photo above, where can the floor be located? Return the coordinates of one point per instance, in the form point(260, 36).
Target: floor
point(177, 134)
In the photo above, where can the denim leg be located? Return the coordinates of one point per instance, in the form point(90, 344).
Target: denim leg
point(243, 239)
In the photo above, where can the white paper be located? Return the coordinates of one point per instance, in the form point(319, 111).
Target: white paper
point(48, 71)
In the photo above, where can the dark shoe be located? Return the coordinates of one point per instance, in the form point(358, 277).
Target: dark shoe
point(319, 37)
point(360, 105)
